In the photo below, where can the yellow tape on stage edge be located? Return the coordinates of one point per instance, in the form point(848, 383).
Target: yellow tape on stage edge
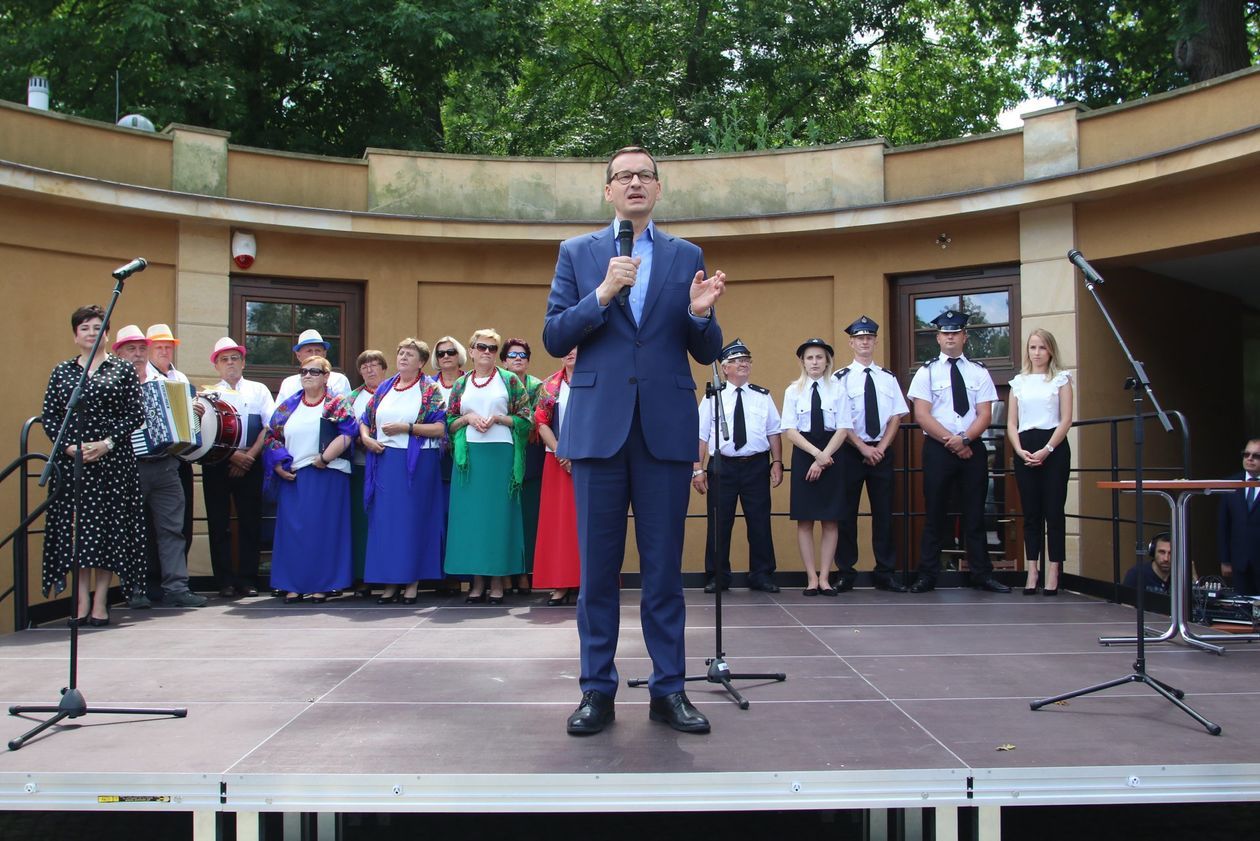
point(133, 798)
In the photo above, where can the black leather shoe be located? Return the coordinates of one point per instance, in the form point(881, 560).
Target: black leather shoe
point(592, 714)
point(675, 710)
point(764, 586)
point(845, 582)
point(890, 583)
point(922, 584)
point(991, 584)
point(710, 586)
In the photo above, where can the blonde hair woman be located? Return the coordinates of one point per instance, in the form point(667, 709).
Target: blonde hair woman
point(1037, 424)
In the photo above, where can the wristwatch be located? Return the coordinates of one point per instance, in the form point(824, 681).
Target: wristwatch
point(109, 444)
point(966, 441)
point(696, 473)
point(1049, 449)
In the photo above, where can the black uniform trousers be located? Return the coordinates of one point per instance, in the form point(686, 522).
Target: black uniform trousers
point(878, 479)
point(941, 470)
point(1043, 496)
point(221, 490)
point(747, 480)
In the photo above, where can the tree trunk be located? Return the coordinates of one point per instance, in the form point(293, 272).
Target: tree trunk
point(1219, 44)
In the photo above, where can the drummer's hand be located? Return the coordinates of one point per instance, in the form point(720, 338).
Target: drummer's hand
point(199, 408)
point(286, 475)
point(241, 461)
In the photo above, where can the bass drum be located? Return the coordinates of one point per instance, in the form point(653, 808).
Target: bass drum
point(220, 431)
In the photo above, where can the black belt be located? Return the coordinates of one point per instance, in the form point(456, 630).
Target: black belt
point(744, 458)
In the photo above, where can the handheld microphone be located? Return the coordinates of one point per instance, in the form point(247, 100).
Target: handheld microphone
point(1078, 260)
point(136, 265)
point(625, 245)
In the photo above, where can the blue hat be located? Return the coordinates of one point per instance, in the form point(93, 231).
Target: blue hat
point(862, 327)
point(310, 337)
point(735, 350)
point(951, 321)
point(809, 343)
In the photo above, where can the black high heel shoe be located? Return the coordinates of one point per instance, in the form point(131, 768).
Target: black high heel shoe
point(97, 623)
point(494, 599)
point(77, 621)
point(1049, 592)
point(1030, 591)
point(387, 599)
point(409, 599)
point(293, 599)
point(475, 598)
point(321, 599)
point(557, 601)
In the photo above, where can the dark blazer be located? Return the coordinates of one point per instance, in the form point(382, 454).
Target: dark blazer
point(620, 362)
point(1238, 530)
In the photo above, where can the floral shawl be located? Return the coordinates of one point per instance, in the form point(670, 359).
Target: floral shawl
point(548, 397)
point(336, 409)
point(522, 423)
point(432, 410)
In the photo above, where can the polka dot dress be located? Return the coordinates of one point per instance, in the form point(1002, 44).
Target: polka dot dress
point(112, 510)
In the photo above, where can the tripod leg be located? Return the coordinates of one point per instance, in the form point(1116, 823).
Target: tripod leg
point(16, 744)
point(740, 700)
point(766, 676)
point(1171, 690)
point(1214, 729)
point(1036, 705)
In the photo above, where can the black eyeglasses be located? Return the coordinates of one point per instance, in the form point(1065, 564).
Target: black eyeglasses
point(517, 354)
point(1250, 454)
point(447, 352)
point(485, 348)
point(646, 176)
point(312, 372)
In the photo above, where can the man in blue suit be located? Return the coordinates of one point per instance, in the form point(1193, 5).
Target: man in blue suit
point(630, 429)
point(1238, 532)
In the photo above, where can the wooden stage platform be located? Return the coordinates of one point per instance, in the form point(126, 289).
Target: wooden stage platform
point(892, 702)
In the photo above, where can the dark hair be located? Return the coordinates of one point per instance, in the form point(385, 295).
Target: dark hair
point(371, 356)
point(627, 150)
point(87, 313)
point(521, 342)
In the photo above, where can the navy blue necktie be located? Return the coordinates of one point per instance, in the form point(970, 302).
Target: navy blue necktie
point(741, 429)
point(872, 408)
point(959, 388)
point(816, 424)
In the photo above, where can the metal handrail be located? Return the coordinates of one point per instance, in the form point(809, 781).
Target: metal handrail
point(21, 534)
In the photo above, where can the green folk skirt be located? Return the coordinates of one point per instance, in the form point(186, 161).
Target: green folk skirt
point(483, 532)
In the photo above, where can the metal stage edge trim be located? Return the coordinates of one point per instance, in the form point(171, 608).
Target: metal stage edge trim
point(613, 792)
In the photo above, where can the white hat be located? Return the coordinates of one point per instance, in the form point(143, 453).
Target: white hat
point(226, 343)
point(310, 337)
point(160, 333)
point(130, 333)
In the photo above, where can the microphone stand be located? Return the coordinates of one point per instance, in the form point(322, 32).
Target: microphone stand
point(1139, 384)
point(73, 704)
point(718, 670)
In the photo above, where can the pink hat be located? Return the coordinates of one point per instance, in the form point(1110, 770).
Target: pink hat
point(160, 333)
point(226, 343)
point(130, 333)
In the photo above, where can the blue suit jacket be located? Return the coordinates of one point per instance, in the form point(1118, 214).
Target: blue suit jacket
point(620, 362)
point(1238, 530)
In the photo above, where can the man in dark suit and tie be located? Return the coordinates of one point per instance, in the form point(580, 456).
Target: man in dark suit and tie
point(1238, 532)
point(630, 429)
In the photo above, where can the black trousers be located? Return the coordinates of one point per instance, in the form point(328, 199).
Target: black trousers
point(1043, 496)
point(942, 470)
point(186, 480)
point(748, 481)
point(221, 490)
point(878, 479)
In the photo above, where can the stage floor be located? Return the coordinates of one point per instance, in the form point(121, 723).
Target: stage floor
point(891, 701)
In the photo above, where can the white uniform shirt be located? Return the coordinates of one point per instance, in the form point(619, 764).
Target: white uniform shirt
point(932, 383)
point(337, 384)
point(301, 438)
point(761, 420)
point(248, 398)
point(796, 406)
point(1038, 399)
point(887, 396)
point(152, 373)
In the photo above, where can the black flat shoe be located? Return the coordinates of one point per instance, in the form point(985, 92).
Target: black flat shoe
point(475, 598)
point(1053, 592)
point(890, 584)
point(387, 599)
point(408, 599)
point(923, 584)
point(1030, 591)
point(494, 599)
point(812, 591)
point(593, 713)
point(676, 710)
point(77, 621)
point(318, 599)
point(556, 601)
point(830, 592)
point(292, 599)
point(98, 623)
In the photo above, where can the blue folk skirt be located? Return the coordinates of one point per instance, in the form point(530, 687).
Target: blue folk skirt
point(311, 553)
point(405, 520)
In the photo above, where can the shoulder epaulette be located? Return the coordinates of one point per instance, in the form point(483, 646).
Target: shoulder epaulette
point(759, 389)
point(927, 363)
point(839, 375)
point(977, 362)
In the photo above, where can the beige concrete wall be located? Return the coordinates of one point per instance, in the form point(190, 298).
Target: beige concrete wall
point(302, 180)
point(940, 168)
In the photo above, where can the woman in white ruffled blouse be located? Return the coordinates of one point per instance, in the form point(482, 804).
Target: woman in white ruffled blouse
point(1037, 425)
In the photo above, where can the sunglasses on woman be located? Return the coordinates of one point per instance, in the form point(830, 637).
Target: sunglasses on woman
point(485, 348)
point(447, 352)
point(517, 354)
point(312, 372)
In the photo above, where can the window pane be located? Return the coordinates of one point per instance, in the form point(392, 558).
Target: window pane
point(988, 308)
point(262, 317)
point(926, 309)
point(925, 347)
point(989, 343)
point(325, 319)
point(269, 350)
point(334, 351)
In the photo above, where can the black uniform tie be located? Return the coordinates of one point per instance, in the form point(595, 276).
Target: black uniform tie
point(741, 429)
point(959, 388)
point(872, 408)
point(816, 424)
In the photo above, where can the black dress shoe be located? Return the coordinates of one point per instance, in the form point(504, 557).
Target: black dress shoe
point(764, 586)
point(922, 584)
point(592, 714)
point(845, 582)
point(676, 710)
point(889, 583)
point(710, 586)
point(991, 584)
point(1048, 592)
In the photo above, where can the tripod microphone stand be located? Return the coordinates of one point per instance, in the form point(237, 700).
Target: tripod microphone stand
point(1139, 383)
point(73, 704)
point(719, 671)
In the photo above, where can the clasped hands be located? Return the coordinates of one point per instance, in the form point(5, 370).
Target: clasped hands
point(956, 446)
point(481, 424)
point(821, 462)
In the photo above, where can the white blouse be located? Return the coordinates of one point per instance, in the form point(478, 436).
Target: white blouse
point(398, 407)
point(797, 404)
point(301, 438)
point(1038, 399)
point(487, 401)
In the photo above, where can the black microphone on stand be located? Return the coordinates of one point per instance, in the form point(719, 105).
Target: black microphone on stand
point(1078, 260)
point(137, 265)
point(625, 245)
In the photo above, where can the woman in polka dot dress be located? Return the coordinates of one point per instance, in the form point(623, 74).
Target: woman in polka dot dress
point(111, 513)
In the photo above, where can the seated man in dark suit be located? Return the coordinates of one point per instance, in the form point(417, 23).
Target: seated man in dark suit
point(1158, 571)
point(1238, 531)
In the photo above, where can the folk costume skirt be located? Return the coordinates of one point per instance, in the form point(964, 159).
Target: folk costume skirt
point(557, 563)
point(311, 553)
point(483, 533)
point(405, 519)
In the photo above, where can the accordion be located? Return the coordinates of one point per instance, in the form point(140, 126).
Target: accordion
point(170, 426)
